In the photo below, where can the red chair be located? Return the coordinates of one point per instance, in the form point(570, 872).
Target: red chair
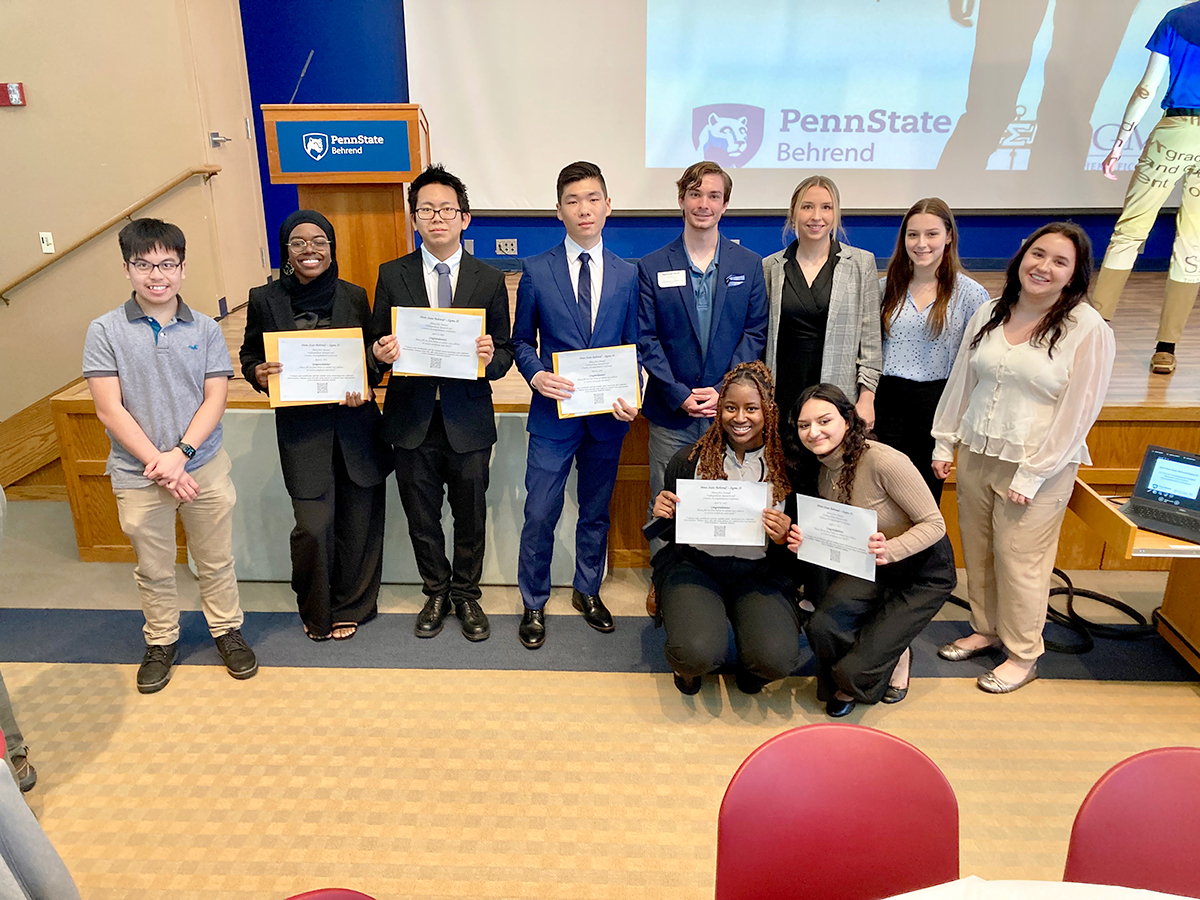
point(331, 894)
point(1139, 825)
point(837, 812)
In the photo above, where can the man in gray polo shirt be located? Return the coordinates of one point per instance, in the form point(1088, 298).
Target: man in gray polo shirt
point(159, 374)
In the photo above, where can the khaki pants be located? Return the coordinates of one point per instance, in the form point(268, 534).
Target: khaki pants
point(1009, 550)
point(148, 520)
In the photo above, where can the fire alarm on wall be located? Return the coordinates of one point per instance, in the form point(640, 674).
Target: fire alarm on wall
point(13, 94)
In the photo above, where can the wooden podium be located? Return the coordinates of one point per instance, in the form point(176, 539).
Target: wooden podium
point(350, 163)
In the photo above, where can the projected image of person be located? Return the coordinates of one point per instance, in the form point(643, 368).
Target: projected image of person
point(823, 305)
point(702, 590)
point(861, 630)
point(334, 463)
point(1027, 385)
point(1085, 42)
point(927, 302)
point(1171, 153)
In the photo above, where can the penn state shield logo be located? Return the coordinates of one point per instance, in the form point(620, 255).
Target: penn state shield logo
point(316, 145)
point(728, 134)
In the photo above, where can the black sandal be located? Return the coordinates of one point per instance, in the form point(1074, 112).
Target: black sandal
point(316, 637)
point(353, 626)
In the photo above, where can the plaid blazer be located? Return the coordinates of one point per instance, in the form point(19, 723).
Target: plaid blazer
point(853, 356)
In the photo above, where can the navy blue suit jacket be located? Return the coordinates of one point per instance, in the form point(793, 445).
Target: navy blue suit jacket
point(549, 321)
point(669, 329)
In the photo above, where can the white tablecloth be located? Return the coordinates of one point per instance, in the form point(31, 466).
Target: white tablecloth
point(973, 888)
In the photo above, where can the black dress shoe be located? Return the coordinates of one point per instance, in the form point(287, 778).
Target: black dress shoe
point(688, 686)
point(594, 611)
point(836, 708)
point(532, 631)
point(894, 694)
point(475, 626)
point(432, 615)
point(748, 682)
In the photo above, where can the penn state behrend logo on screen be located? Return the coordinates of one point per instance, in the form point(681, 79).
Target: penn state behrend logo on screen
point(316, 145)
point(728, 134)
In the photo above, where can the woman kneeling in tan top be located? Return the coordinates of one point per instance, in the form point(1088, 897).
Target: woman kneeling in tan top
point(861, 630)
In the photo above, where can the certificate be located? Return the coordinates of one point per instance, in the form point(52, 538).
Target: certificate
point(600, 376)
point(319, 366)
point(721, 512)
point(438, 342)
point(835, 535)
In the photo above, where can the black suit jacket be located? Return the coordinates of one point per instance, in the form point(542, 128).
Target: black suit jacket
point(306, 433)
point(466, 405)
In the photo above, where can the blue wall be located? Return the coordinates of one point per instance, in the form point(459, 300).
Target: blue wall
point(358, 58)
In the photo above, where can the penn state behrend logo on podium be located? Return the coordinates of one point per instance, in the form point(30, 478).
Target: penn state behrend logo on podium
point(728, 134)
point(316, 144)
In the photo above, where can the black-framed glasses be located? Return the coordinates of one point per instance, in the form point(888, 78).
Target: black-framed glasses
point(167, 266)
point(297, 245)
point(427, 213)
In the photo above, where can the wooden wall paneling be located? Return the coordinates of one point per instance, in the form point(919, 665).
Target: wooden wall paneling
point(27, 441)
point(627, 547)
point(47, 483)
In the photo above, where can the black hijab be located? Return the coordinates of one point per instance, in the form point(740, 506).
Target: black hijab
point(317, 295)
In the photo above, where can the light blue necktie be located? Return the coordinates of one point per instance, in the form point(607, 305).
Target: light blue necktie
point(445, 296)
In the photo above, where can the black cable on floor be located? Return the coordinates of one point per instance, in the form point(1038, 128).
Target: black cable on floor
point(1087, 631)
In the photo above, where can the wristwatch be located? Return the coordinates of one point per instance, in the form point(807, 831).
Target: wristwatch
point(188, 450)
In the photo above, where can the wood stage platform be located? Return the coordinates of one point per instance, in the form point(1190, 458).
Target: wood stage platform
point(1140, 409)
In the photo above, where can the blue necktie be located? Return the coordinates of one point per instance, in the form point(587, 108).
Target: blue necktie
point(585, 295)
point(445, 297)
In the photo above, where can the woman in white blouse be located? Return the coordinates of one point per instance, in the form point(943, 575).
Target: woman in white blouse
point(927, 302)
point(1028, 383)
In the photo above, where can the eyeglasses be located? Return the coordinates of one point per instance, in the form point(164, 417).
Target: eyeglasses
point(167, 267)
point(427, 213)
point(297, 245)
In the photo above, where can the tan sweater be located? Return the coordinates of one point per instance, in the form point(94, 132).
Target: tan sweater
point(887, 482)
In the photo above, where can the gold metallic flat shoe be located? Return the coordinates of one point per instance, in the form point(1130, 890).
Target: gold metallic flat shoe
point(993, 685)
point(955, 653)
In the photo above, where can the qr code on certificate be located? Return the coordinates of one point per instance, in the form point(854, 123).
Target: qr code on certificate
point(718, 531)
point(435, 362)
point(835, 556)
point(322, 387)
point(598, 397)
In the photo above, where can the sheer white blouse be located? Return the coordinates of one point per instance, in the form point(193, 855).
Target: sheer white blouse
point(1022, 405)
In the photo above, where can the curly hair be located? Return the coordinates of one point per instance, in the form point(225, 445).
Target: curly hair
point(854, 444)
point(1053, 323)
point(711, 447)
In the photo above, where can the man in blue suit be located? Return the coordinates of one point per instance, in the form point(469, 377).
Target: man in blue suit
point(702, 310)
point(575, 296)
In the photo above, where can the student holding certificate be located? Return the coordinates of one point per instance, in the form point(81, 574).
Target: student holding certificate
point(334, 463)
point(702, 590)
point(861, 630)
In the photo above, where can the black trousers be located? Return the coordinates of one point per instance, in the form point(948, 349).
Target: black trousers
point(424, 476)
point(861, 628)
point(904, 419)
point(337, 551)
point(700, 596)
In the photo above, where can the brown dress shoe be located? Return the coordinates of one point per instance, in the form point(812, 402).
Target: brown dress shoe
point(651, 604)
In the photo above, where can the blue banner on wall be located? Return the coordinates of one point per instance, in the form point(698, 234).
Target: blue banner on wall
point(343, 146)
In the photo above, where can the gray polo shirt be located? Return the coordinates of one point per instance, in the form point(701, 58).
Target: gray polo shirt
point(162, 371)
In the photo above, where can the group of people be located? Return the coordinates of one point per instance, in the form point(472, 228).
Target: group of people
point(804, 370)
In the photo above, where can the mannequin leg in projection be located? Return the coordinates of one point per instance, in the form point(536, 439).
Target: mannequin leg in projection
point(1170, 153)
point(1084, 48)
point(1004, 35)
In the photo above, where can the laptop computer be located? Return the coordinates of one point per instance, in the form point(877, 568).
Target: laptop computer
point(1166, 497)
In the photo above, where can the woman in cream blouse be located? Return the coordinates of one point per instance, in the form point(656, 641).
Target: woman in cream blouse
point(1027, 384)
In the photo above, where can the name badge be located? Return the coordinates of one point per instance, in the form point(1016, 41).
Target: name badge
point(734, 280)
point(676, 278)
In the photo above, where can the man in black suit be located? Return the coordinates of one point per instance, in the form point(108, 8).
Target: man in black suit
point(442, 428)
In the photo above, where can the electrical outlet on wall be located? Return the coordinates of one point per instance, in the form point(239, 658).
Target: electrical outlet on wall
point(47, 241)
point(506, 247)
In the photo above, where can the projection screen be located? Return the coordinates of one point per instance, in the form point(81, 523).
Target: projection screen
point(990, 104)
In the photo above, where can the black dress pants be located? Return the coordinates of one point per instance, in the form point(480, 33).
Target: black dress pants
point(904, 420)
point(337, 551)
point(701, 595)
point(424, 476)
point(861, 628)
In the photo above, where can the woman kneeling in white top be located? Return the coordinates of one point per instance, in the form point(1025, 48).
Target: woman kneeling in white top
point(1028, 383)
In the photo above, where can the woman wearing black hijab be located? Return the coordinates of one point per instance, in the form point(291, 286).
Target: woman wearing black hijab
point(334, 464)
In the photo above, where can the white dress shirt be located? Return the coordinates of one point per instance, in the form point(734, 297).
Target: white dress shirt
point(428, 261)
point(595, 268)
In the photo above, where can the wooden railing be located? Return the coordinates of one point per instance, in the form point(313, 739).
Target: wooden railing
point(206, 172)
